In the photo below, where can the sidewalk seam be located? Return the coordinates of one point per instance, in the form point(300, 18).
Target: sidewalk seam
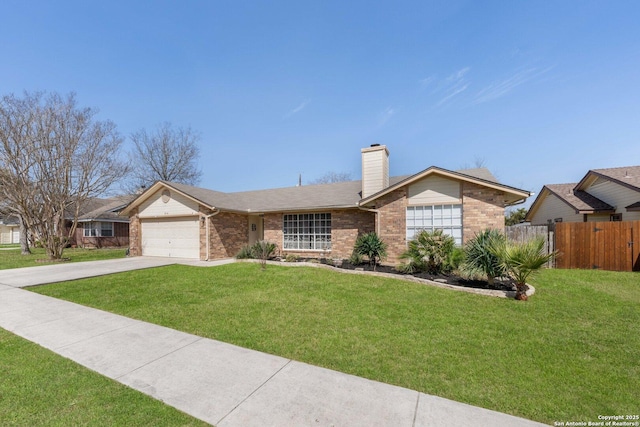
point(254, 391)
point(415, 411)
point(89, 338)
point(161, 357)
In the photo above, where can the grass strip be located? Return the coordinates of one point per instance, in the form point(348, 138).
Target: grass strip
point(14, 259)
point(38, 388)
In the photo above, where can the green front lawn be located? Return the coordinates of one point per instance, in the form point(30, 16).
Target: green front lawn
point(40, 388)
point(13, 259)
point(570, 353)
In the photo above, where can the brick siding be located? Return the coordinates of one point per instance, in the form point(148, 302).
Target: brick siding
point(135, 242)
point(482, 208)
point(393, 223)
point(228, 234)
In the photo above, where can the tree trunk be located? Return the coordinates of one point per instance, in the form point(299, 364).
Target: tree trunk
point(521, 292)
point(24, 238)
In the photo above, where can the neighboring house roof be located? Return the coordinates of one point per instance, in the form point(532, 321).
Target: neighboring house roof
point(577, 196)
point(580, 201)
point(9, 220)
point(628, 176)
point(339, 195)
point(96, 209)
point(634, 207)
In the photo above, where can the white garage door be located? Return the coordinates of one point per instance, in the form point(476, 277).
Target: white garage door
point(171, 237)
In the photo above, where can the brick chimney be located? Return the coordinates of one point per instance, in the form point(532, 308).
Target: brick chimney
point(375, 169)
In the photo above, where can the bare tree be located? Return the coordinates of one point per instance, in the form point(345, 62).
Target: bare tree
point(478, 162)
point(53, 157)
point(167, 154)
point(332, 177)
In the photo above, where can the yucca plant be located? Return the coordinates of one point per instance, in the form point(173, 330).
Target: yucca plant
point(371, 246)
point(521, 260)
point(481, 254)
point(429, 251)
point(263, 250)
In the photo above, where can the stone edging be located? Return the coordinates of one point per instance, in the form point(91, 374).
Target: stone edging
point(408, 278)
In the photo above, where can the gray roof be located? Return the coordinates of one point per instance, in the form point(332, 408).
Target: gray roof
point(338, 195)
point(96, 209)
point(581, 201)
point(9, 220)
point(628, 176)
point(317, 196)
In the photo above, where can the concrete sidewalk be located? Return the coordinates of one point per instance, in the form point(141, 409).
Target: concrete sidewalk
point(219, 383)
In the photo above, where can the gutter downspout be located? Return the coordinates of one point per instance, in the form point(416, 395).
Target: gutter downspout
point(207, 222)
point(377, 219)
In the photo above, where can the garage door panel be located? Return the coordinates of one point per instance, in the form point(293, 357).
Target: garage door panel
point(171, 237)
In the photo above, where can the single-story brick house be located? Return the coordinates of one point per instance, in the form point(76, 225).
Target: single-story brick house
point(324, 220)
point(100, 225)
point(611, 194)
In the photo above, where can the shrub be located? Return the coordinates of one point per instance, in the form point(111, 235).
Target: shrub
point(356, 258)
point(291, 258)
point(481, 254)
point(521, 260)
point(245, 253)
point(456, 258)
point(430, 251)
point(371, 246)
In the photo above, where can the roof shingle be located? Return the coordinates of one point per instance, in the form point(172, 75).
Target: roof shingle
point(581, 201)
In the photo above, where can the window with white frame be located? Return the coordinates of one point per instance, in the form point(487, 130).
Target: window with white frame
point(447, 218)
point(310, 231)
point(98, 229)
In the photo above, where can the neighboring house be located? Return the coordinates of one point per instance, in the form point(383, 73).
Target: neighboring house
point(9, 230)
point(324, 220)
point(602, 195)
point(99, 224)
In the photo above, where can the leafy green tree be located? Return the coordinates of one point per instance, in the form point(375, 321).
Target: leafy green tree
point(515, 217)
point(371, 246)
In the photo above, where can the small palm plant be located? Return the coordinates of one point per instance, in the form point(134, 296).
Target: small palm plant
point(371, 246)
point(429, 251)
point(481, 254)
point(521, 260)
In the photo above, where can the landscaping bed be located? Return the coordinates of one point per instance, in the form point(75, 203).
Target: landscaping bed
point(502, 284)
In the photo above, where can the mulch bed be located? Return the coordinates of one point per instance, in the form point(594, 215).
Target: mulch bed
point(450, 279)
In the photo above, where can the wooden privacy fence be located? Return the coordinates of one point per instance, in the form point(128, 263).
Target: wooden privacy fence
point(598, 245)
point(522, 233)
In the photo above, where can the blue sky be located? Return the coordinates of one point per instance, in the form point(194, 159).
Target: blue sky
point(538, 91)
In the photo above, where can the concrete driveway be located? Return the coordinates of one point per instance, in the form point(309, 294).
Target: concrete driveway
point(219, 383)
point(61, 272)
